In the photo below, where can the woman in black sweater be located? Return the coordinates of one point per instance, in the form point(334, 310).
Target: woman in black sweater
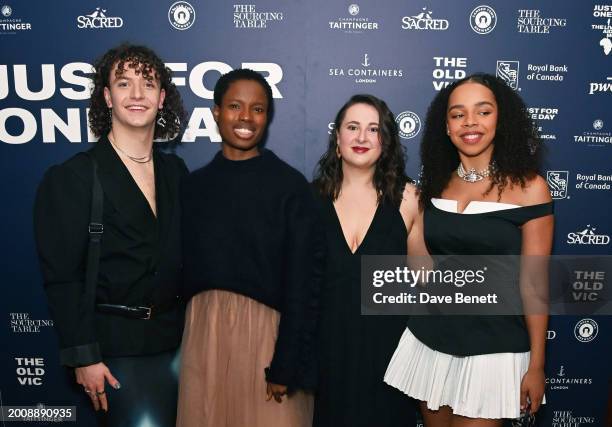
point(251, 268)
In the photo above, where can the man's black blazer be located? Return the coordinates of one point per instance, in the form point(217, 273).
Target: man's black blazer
point(140, 260)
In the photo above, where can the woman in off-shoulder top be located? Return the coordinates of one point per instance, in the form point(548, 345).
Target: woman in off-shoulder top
point(480, 195)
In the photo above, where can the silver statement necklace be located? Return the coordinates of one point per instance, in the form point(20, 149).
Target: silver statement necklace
point(472, 175)
point(143, 159)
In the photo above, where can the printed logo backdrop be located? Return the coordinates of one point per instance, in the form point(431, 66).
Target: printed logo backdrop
point(315, 54)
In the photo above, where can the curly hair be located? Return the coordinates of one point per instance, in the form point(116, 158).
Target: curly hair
point(516, 146)
point(389, 173)
point(142, 60)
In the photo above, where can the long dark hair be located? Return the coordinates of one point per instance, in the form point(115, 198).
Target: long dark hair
point(389, 174)
point(516, 146)
point(142, 60)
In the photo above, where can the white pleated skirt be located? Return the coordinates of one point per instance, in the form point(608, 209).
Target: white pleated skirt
point(481, 386)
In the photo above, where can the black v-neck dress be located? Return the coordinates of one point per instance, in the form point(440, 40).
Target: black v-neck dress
point(355, 349)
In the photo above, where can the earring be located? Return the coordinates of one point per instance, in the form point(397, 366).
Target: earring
point(447, 131)
point(110, 117)
point(161, 121)
point(338, 151)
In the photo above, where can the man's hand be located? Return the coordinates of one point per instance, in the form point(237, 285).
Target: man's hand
point(92, 378)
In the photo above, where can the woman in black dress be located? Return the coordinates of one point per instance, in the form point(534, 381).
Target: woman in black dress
point(369, 209)
point(481, 195)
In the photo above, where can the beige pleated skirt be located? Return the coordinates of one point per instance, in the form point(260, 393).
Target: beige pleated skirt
point(227, 343)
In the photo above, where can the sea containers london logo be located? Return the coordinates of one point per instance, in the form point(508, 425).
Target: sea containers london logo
point(586, 330)
point(181, 15)
point(561, 380)
point(531, 21)
point(424, 21)
point(588, 236)
point(541, 116)
point(597, 136)
point(508, 71)
point(99, 19)
point(603, 28)
point(247, 16)
point(20, 323)
point(409, 124)
point(30, 370)
point(10, 22)
point(483, 19)
point(447, 70)
point(354, 22)
point(367, 72)
point(558, 182)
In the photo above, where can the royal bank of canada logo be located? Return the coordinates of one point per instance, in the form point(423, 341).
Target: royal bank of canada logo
point(6, 11)
point(366, 72)
point(588, 236)
point(99, 20)
point(354, 24)
point(558, 183)
point(424, 21)
point(181, 15)
point(508, 71)
point(586, 330)
point(483, 19)
point(593, 181)
point(247, 16)
point(409, 124)
point(605, 28)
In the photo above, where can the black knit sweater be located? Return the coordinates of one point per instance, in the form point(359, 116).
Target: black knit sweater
point(250, 227)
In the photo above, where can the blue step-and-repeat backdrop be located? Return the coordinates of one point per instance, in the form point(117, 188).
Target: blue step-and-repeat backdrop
point(315, 54)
